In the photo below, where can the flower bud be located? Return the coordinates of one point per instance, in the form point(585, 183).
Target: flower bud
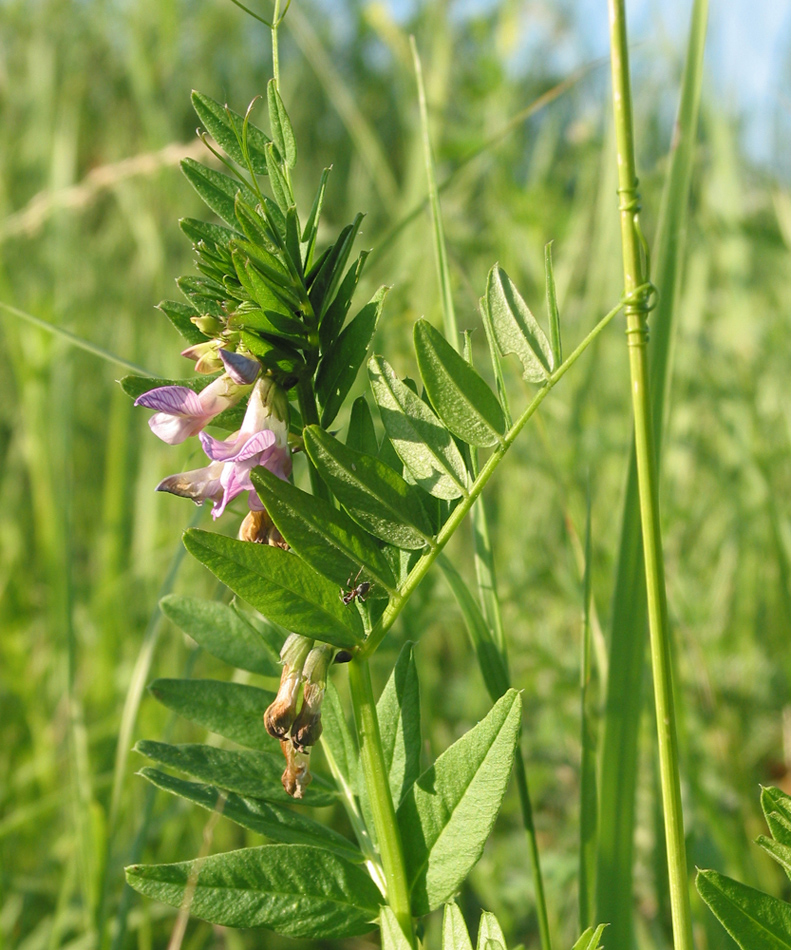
point(280, 716)
point(207, 324)
point(307, 727)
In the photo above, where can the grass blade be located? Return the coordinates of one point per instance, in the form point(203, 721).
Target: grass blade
point(627, 639)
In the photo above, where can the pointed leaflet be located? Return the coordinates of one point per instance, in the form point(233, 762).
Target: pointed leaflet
point(755, 920)
point(590, 939)
point(455, 935)
point(217, 190)
point(335, 316)
point(340, 364)
point(312, 225)
point(362, 434)
point(375, 496)
point(490, 933)
point(780, 852)
point(222, 632)
point(457, 392)
point(552, 307)
point(215, 236)
point(776, 807)
point(225, 127)
point(277, 182)
point(323, 286)
point(423, 443)
point(280, 124)
point(446, 816)
point(256, 774)
point(515, 328)
point(398, 711)
point(322, 535)
point(180, 315)
point(336, 737)
point(279, 585)
point(293, 889)
point(265, 818)
point(393, 937)
point(232, 710)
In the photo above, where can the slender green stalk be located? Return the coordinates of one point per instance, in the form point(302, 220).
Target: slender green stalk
point(375, 772)
point(438, 230)
point(74, 340)
point(637, 294)
point(275, 46)
point(461, 510)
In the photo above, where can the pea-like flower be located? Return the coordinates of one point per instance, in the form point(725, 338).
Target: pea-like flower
point(262, 440)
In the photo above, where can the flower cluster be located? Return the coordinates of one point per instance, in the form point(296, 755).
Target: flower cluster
point(298, 731)
point(261, 440)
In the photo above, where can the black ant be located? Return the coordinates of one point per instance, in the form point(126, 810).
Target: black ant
point(356, 591)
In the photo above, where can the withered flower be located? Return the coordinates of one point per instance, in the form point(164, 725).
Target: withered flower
point(280, 716)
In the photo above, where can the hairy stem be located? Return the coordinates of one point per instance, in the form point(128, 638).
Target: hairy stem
point(375, 772)
point(637, 305)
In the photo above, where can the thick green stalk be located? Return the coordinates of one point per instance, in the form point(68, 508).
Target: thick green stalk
point(375, 772)
point(637, 294)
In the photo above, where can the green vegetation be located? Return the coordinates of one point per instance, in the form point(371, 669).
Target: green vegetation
point(97, 114)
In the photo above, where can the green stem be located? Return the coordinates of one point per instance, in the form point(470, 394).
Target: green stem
point(375, 772)
point(461, 510)
point(636, 311)
point(527, 820)
point(275, 48)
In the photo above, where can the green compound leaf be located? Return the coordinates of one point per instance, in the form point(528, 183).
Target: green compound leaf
point(218, 191)
point(232, 710)
point(755, 920)
point(423, 443)
point(590, 939)
point(393, 937)
point(342, 361)
point(322, 535)
point(254, 774)
point(455, 935)
point(515, 328)
point(293, 889)
point(457, 392)
point(265, 818)
point(446, 816)
point(280, 124)
point(226, 127)
point(490, 933)
point(280, 586)
point(374, 495)
point(222, 632)
point(180, 315)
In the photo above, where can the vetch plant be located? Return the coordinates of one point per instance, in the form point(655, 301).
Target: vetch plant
point(327, 572)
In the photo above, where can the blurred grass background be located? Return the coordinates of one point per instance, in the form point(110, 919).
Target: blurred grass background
point(87, 547)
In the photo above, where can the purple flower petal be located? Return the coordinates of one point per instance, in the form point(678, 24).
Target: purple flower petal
point(256, 444)
point(175, 429)
point(241, 369)
point(176, 400)
point(222, 450)
point(200, 484)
